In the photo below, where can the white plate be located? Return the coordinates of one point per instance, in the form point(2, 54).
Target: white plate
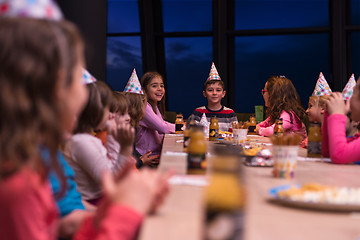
point(310, 205)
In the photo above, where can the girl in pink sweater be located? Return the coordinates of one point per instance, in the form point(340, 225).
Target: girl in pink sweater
point(334, 142)
point(282, 101)
point(42, 93)
point(152, 127)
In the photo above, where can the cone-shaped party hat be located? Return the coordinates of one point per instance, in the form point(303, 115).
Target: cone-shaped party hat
point(322, 87)
point(348, 89)
point(133, 84)
point(214, 75)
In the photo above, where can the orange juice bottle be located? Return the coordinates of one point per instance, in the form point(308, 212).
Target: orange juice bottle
point(196, 151)
point(187, 132)
point(252, 125)
point(179, 123)
point(224, 196)
point(279, 129)
point(314, 140)
point(214, 129)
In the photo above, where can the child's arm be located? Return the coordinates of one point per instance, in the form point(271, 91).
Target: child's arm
point(341, 151)
point(153, 121)
point(263, 124)
point(325, 136)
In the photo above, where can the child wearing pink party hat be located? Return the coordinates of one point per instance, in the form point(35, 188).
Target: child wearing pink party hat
point(214, 92)
point(335, 144)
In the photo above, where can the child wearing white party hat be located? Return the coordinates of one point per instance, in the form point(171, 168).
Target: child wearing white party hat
point(137, 104)
point(335, 144)
point(317, 102)
point(214, 92)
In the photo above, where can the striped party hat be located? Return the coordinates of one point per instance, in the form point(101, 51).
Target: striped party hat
point(133, 84)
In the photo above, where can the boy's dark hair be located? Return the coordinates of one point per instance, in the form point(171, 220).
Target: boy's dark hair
point(209, 82)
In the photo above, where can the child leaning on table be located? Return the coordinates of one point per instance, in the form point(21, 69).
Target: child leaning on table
point(41, 66)
point(214, 92)
point(282, 101)
point(335, 144)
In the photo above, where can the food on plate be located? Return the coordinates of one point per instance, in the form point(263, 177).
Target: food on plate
point(314, 192)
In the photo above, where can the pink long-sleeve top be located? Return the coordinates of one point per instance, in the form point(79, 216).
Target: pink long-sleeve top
point(267, 129)
point(334, 142)
point(151, 131)
point(28, 211)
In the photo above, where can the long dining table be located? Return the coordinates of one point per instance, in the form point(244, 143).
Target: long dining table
point(182, 215)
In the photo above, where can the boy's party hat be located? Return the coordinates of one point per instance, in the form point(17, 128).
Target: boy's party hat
point(87, 77)
point(205, 123)
point(133, 84)
point(30, 8)
point(214, 75)
point(348, 89)
point(322, 87)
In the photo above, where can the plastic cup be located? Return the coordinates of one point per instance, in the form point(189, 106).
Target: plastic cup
point(284, 160)
point(240, 135)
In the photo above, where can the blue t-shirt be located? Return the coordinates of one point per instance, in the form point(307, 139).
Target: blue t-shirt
point(71, 199)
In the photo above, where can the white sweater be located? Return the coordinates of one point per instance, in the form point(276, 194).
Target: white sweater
point(89, 158)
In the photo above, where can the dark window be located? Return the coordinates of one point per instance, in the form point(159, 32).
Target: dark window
point(187, 15)
point(123, 16)
point(355, 12)
point(298, 57)
point(123, 55)
point(188, 62)
point(265, 14)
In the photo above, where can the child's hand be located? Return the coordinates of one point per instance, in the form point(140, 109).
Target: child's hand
point(125, 135)
point(335, 104)
point(257, 128)
point(150, 160)
point(142, 191)
point(111, 126)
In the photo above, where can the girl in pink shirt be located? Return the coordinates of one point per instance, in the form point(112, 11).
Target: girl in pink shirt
point(152, 127)
point(282, 101)
point(42, 93)
point(335, 144)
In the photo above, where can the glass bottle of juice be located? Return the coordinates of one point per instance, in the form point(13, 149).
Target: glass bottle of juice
point(279, 129)
point(224, 197)
point(214, 129)
point(252, 125)
point(179, 123)
point(187, 132)
point(314, 140)
point(196, 151)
